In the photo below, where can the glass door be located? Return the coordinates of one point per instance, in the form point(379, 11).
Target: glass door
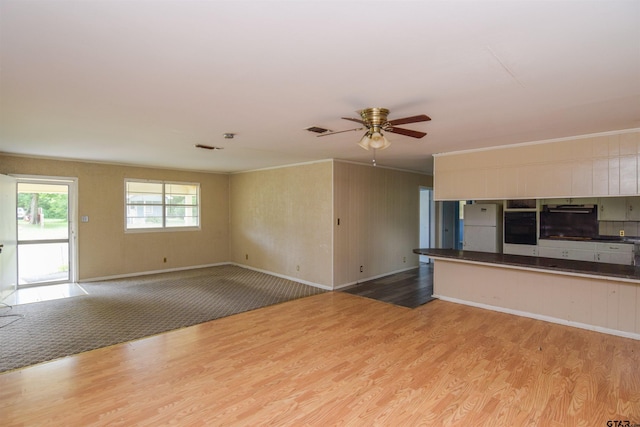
point(43, 232)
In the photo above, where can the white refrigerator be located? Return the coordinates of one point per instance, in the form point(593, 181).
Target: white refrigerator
point(482, 227)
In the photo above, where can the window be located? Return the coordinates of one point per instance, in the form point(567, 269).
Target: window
point(158, 205)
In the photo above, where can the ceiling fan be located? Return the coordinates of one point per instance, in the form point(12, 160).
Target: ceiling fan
point(375, 121)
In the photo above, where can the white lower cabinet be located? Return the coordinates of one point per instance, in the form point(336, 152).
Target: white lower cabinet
point(512, 249)
point(614, 253)
point(567, 249)
point(573, 254)
point(550, 252)
point(581, 255)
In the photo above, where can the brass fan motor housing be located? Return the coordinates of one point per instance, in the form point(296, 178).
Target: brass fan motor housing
point(374, 118)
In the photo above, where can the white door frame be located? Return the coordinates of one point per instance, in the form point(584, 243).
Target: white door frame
point(427, 221)
point(72, 182)
point(8, 237)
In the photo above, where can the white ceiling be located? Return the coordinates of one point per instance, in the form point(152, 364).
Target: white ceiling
point(141, 82)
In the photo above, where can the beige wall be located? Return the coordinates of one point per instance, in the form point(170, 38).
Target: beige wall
point(596, 165)
point(378, 211)
point(281, 221)
point(287, 218)
point(104, 248)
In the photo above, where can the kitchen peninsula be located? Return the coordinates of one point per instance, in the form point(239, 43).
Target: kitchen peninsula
point(596, 296)
point(586, 186)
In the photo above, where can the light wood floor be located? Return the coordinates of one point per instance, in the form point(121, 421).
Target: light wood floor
point(340, 359)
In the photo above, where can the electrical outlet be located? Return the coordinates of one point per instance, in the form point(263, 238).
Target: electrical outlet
point(297, 268)
point(246, 256)
point(404, 259)
point(165, 259)
point(621, 233)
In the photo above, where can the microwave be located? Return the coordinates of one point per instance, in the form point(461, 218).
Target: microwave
point(520, 228)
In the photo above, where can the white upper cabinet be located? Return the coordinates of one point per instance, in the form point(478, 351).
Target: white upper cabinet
point(619, 209)
point(633, 208)
point(612, 209)
point(595, 166)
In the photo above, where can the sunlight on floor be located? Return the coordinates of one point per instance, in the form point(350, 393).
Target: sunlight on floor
point(44, 293)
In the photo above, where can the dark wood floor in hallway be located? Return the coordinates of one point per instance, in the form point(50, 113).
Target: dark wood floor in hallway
point(411, 288)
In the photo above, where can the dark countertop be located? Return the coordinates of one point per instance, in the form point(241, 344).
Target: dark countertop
point(597, 239)
point(626, 272)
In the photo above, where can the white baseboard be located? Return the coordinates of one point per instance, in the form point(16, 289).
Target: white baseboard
point(549, 319)
point(282, 276)
point(366, 279)
point(145, 273)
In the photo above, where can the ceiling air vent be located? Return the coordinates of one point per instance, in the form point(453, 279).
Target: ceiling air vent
point(317, 129)
point(207, 147)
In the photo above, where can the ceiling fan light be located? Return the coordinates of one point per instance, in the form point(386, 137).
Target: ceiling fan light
point(378, 141)
point(386, 143)
point(365, 142)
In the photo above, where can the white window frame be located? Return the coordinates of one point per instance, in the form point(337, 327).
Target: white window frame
point(164, 227)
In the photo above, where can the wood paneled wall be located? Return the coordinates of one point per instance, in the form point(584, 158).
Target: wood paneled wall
point(596, 165)
point(378, 213)
point(592, 303)
point(286, 221)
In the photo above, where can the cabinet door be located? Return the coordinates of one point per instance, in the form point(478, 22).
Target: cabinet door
point(621, 258)
point(612, 209)
point(603, 257)
point(625, 258)
point(628, 175)
point(579, 255)
point(550, 252)
point(633, 208)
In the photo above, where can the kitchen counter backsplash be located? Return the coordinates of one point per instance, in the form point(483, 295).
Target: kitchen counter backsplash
point(612, 228)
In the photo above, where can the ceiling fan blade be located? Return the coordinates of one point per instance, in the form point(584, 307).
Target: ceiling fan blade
point(354, 120)
point(407, 132)
point(340, 131)
point(412, 119)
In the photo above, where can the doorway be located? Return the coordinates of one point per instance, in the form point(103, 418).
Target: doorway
point(46, 231)
point(451, 230)
point(427, 222)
